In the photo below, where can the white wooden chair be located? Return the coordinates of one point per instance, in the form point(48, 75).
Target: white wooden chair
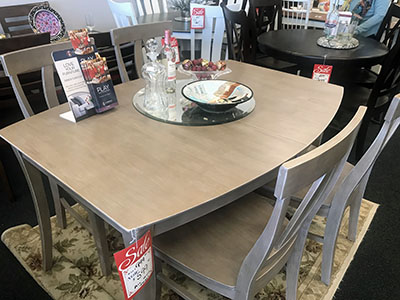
point(123, 13)
point(138, 34)
point(348, 192)
point(212, 36)
point(295, 13)
point(238, 249)
point(19, 62)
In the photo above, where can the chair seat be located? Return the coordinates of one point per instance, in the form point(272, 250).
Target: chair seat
point(216, 244)
point(268, 189)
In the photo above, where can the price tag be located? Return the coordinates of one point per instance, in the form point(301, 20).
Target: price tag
point(135, 265)
point(197, 18)
point(322, 72)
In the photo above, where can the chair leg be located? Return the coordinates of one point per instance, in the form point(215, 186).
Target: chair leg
point(362, 135)
point(59, 208)
point(100, 239)
point(34, 179)
point(293, 265)
point(353, 218)
point(6, 184)
point(332, 227)
point(158, 269)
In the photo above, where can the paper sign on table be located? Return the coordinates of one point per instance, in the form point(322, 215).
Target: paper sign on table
point(197, 18)
point(322, 72)
point(135, 265)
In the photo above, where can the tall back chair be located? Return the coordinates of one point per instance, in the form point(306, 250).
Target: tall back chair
point(31, 59)
point(239, 248)
point(388, 31)
point(211, 36)
point(16, 63)
point(240, 34)
point(352, 189)
point(296, 13)
point(349, 192)
point(106, 49)
point(138, 34)
point(28, 83)
point(387, 83)
point(123, 13)
point(242, 31)
point(14, 19)
point(267, 15)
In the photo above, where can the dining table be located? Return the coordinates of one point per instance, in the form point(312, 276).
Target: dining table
point(300, 46)
point(138, 174)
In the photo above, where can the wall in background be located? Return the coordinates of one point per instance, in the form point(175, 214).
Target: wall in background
point(73, 12)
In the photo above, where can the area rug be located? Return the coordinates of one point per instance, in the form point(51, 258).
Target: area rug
point(76, 272)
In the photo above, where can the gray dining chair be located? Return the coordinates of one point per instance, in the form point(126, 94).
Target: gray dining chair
point(238, 249)
point(348, 192)
point(39, 58)
point(138, 35)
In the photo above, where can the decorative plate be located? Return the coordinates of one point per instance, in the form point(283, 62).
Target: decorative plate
point(337, 44)
point(217, 95)
point(42, 18)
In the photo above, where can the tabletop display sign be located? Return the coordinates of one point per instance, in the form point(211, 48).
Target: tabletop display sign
point(135, 265)
point(85, 78)
point(197, 18)
point(174, 45)
point(322, 72)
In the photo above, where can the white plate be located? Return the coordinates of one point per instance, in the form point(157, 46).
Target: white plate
point(217, 92)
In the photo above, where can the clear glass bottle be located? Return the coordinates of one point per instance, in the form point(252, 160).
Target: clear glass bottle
point(155, 98)
point(332, 22)
point(168, 59)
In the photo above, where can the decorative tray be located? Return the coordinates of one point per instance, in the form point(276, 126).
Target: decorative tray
point(42, 18)
point(337, 44)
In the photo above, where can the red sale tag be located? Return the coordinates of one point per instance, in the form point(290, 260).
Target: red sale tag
point(197, 18)
point(135, 265)
point(174, 45)
point(322, 72)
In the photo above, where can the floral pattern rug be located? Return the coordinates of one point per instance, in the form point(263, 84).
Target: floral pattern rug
point(76, 272)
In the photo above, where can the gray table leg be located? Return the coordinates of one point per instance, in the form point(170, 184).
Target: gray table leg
point(35, 183)
point(149, 291)
point(100, 239)
point(60, 210)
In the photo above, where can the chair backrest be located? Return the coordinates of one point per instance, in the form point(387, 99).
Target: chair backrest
point(355, 183)
point(138, 34)
point(388, 32)
point(242, 30)
point(240, 34)
point(266, 15)
point(23, 41)
point(149, 7)
point(14, 19)
point(123, 13)
point(388, 81)
point(319, 168)
point(296, 13)
point(106, 49)
point(211, 36)
point(31, 59)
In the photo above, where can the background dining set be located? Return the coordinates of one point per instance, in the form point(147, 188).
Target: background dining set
point(317, 181)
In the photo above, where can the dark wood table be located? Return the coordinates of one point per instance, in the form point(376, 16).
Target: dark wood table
point(300, 46)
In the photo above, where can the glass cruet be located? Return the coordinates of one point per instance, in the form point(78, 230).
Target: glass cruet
point(155, 74)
